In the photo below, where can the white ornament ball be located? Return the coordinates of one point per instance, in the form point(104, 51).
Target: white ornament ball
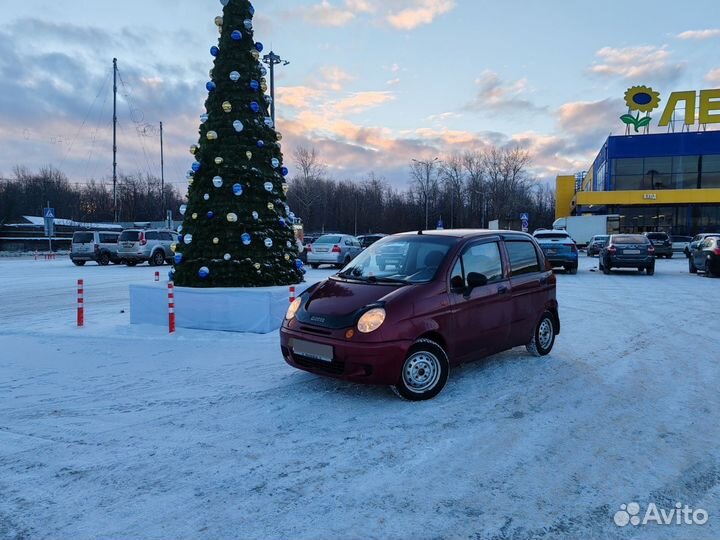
point(206, 197)
point(227, 257)
point(268, 186)
point(234, 76)
point(255, 215)
point(275, 162)
point(183, 209)
point(238, 126)
point(232, 218)
point(268, 243)
point(218, 181)
point(187, 239)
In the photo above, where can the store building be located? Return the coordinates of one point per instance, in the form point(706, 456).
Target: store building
point(656, 182)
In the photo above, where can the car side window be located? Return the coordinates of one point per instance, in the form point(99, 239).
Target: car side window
point(108, 239)
point(479, 258)
point(151, 235)
point(523, 257)
point(166, 236)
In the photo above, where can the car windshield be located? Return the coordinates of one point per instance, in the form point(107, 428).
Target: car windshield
point(552, 236)
point(681, 239)
point(629, 239)
point(400, 259)
point(129, 236)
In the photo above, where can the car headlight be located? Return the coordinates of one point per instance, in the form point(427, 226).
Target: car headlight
point(293, 309)
point(371, 320)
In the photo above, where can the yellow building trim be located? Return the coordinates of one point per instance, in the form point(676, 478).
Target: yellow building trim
point(660, 197)
point(564, 193)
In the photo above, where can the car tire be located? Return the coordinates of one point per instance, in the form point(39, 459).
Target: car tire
point(104, 259)
point(573, 269)
point(79, 263)
point(314, 266)
point(670, 256)
point(708, 268)
point(424, 372)
point(543, 336)
point(158, 258)
point(650, 270)
point(131, 263)
point(691, 266)
point(605, 269)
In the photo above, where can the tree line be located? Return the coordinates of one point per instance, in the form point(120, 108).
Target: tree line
point(139, 198)
point(464, 190)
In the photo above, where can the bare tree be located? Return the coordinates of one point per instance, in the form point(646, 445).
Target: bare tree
point(424, 180)
point(305, 185)
point(453, 177)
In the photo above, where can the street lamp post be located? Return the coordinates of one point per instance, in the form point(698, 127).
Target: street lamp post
point(271, 59)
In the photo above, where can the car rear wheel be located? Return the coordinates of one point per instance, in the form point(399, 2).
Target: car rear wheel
point(424, 372)
point(708, 267)
point(605, 268)
point(158, 258)
point(650, 270)
point(314, 266)
point(544, 336)
point(79, 263)
point(104, 259)
point(691, 266)
point(573, 269)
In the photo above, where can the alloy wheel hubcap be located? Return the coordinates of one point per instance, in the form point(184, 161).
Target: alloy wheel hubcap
point(545, 333)
point(421, 372)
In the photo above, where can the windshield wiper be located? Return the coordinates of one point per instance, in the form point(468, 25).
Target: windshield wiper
point(375, 279)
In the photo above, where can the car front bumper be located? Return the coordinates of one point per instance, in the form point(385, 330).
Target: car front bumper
point(368, 363)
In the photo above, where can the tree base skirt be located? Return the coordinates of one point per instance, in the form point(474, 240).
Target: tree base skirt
point(256, 310)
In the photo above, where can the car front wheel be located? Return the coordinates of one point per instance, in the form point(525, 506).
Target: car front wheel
point(158, 259)
point(104, 259)
point(424, 372)
point(650, 270)
point(544, 336)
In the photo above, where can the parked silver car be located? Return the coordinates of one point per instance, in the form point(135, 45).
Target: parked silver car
point(335, 249)
point(98, 246)
point(152, 245)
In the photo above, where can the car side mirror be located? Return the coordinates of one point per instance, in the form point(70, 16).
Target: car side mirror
point(457, 284)
point(475, 279)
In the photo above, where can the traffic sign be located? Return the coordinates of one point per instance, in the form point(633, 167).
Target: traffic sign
point(524, 216)
point(49, 213)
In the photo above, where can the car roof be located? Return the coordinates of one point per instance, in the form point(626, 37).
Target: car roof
point(465, 233)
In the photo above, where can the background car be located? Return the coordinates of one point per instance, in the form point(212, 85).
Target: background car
point(596, 244)
point(98, 246)
point(705, 257)
point(628, 251)
point(662, 243)
point(335, 249)
point(679, 243)
point(151, 245)
point(559, 249)
point(368, 240)
point(696, 240)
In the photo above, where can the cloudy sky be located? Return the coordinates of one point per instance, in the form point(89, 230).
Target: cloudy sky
point(371, 83)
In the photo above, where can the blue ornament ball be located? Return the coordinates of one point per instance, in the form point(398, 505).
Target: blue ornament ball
point(259, 47)
point(284, 171)
point(283, 222)
point(178, 258)
point(254, 85)
point(214, 50)
point(252, 10)
point(236, 35)
point(204, 272)
point(181, 239)
point(246, 239)
point(299, 264)
point(210, 214)
point(254, 107)
point(261, 144)
point(196, 166)
point(237, 189)
point(210, 86)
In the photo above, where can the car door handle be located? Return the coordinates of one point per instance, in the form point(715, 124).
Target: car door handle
point(502, 289)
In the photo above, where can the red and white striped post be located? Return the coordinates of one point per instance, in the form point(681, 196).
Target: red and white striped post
point(171, 307)
point(292, 294)
point(81, 303)
point(157, 276)
point(36, 255)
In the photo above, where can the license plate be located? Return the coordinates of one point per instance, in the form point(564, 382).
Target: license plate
point(632, 252)
point(552, 251)
point(316, 351)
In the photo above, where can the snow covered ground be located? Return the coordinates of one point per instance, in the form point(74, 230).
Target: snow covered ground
point(115, 431)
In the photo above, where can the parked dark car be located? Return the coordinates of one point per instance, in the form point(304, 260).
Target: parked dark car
point(705, 257)
point(628, 251)
point(559, 249)
point(662, 243)
point(696, 240)
point(455, 296)
point(596, 244)
point(368, 240)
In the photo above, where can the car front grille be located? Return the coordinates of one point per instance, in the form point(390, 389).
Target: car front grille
point(335, 368)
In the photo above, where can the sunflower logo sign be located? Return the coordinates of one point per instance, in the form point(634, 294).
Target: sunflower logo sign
point(640, 99)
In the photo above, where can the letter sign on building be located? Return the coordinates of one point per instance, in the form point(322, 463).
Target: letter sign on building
point(643, 99)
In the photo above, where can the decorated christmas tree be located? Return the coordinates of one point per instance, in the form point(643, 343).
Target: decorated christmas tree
point(237, 229)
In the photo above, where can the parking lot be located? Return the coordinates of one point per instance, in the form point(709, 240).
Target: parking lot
point(120, 431)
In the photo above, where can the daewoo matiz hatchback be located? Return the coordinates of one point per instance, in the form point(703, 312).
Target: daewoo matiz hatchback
point(449, 297)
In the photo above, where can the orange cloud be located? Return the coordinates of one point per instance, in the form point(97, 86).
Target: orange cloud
point(421, 12)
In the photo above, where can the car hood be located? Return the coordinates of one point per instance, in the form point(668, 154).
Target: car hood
point(335, 297)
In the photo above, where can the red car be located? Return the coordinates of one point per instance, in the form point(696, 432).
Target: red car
point(444, 298)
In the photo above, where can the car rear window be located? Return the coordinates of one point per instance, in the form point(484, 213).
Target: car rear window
point(82, 238)
point(657, 236)
point(129, 236)
point(552, 236)
point(603, 238)
point(629, 239)
point(329, 240)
